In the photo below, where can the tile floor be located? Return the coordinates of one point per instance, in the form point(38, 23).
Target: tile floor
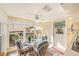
point(50, 52)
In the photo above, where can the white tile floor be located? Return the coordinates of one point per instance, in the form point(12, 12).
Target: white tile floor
point(14, 53)
point(50, 48)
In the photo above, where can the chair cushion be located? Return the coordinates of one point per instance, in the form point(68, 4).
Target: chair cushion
point(41, 44)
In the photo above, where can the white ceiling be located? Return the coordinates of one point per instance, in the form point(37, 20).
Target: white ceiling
point(72, 10)
point(29, 11)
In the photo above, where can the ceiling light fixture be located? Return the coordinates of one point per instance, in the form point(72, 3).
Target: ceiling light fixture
point(37, 21)
point(37, 17)
point(47, 8)
point(61, 3)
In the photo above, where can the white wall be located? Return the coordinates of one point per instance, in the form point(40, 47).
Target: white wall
point(3, 21)
point(60, 39)
point(48, 30)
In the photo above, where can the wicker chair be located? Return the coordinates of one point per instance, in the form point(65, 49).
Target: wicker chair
point(23, 51)
point(19, 48)
point(41, 50)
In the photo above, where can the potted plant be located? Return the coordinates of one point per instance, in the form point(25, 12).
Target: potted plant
point(29, 39)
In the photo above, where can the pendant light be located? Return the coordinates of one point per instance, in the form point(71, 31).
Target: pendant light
point(37, 18)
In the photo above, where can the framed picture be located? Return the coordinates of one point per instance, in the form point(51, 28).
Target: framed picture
point(59, 31)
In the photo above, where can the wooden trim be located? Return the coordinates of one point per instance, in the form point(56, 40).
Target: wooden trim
point(2, 53)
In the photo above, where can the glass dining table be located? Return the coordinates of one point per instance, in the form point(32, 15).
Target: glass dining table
point(34, 44)
point(27, 44)
point(28, 47)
